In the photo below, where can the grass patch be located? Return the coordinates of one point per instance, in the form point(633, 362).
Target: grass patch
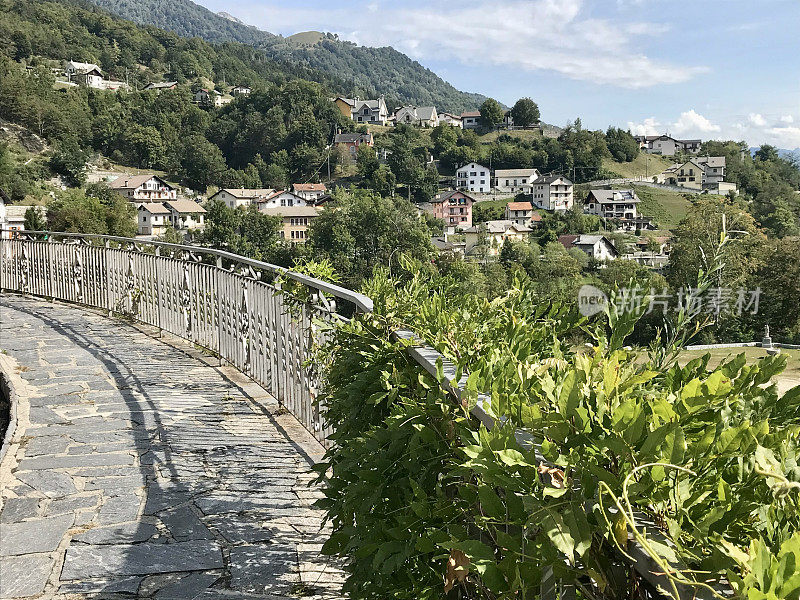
point(519, 134)
point(665, 206)
point(752, 354)
point(643, 165)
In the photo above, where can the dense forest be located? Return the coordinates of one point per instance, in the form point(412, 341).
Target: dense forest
point(369, 71)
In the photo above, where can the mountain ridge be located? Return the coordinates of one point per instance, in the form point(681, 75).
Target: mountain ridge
point(370, 71)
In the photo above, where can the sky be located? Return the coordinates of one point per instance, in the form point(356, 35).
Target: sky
point(709, 69)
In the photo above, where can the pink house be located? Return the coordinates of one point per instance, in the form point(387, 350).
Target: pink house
point(454, 208)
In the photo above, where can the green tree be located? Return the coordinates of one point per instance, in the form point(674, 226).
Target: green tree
point(69, 161)
point(621, 144)
point(143, 146)
point(491, 113)
point(365, 230)
point(525, 113)
point(242, 231)
point(367, 161)
point(35, 219)
point(201, 162)
point(777, 209)
point(697, 235)
point(75, 212)
point(444, 137)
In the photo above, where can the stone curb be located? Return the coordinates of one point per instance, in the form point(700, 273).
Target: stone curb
point(10, 388)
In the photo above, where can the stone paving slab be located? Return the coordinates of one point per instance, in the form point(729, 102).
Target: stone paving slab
point(142, 469)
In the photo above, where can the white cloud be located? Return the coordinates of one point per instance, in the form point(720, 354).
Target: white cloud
point(787, 119)
point(757, 120)
point(784, 137)
point(647, 127)
point(693, 123)
point(529, 35)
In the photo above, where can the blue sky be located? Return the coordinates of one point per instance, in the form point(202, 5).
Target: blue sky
point(726, 69)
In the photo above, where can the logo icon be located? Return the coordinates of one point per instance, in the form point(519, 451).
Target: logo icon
point(591, 300)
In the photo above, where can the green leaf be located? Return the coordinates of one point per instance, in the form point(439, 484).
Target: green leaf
point(559, 534)
point(491, 502)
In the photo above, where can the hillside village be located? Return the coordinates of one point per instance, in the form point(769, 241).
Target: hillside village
point(161, 206)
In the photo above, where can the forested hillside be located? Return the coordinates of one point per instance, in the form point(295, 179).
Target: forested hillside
point(287, 121)
point(368, 71)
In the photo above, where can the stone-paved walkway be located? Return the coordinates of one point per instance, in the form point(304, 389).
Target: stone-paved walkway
point(141, 469)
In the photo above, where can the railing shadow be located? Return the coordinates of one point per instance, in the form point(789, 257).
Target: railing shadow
point(183, 504)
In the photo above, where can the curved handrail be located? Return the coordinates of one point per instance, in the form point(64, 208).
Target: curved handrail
point(361, 301)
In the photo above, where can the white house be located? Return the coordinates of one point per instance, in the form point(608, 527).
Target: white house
point(611, 204)
point(309, 191)
point(667, 145)
point(236, 197)
point(714, 169)
point(471, 119)
point(690, 174)
point(514, 180)
point(373, 112)
point(423, 116)
point(88, 74)
point(152, 218)
point(280, 198)
point(210, 98)
point(522, 213)
point(143, 188)
point(474, 178)
point(12, 218)
point(552, 192)
point(598, 247)
point(494, 234)
point(241, 90)
point(451, 119)
point(185, 214)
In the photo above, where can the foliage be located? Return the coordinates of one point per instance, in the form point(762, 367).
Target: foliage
point(77, 211)
point(491, 113)
point(525, 113)
point(69, 161)
point(621, 144)
point(364, 230)
point(424, 499)
point(35, 219)
point(244, 231)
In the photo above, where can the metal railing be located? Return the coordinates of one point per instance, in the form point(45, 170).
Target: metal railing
point(231, 305)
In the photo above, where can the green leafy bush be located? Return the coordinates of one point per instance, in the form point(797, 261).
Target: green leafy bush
point(426, 502)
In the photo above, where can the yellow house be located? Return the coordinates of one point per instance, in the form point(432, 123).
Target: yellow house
point(296, 220)
point(345, 106)
point(689, 174)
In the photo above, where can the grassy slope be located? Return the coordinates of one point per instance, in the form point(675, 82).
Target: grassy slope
point(644, 164)
point(666, 206)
